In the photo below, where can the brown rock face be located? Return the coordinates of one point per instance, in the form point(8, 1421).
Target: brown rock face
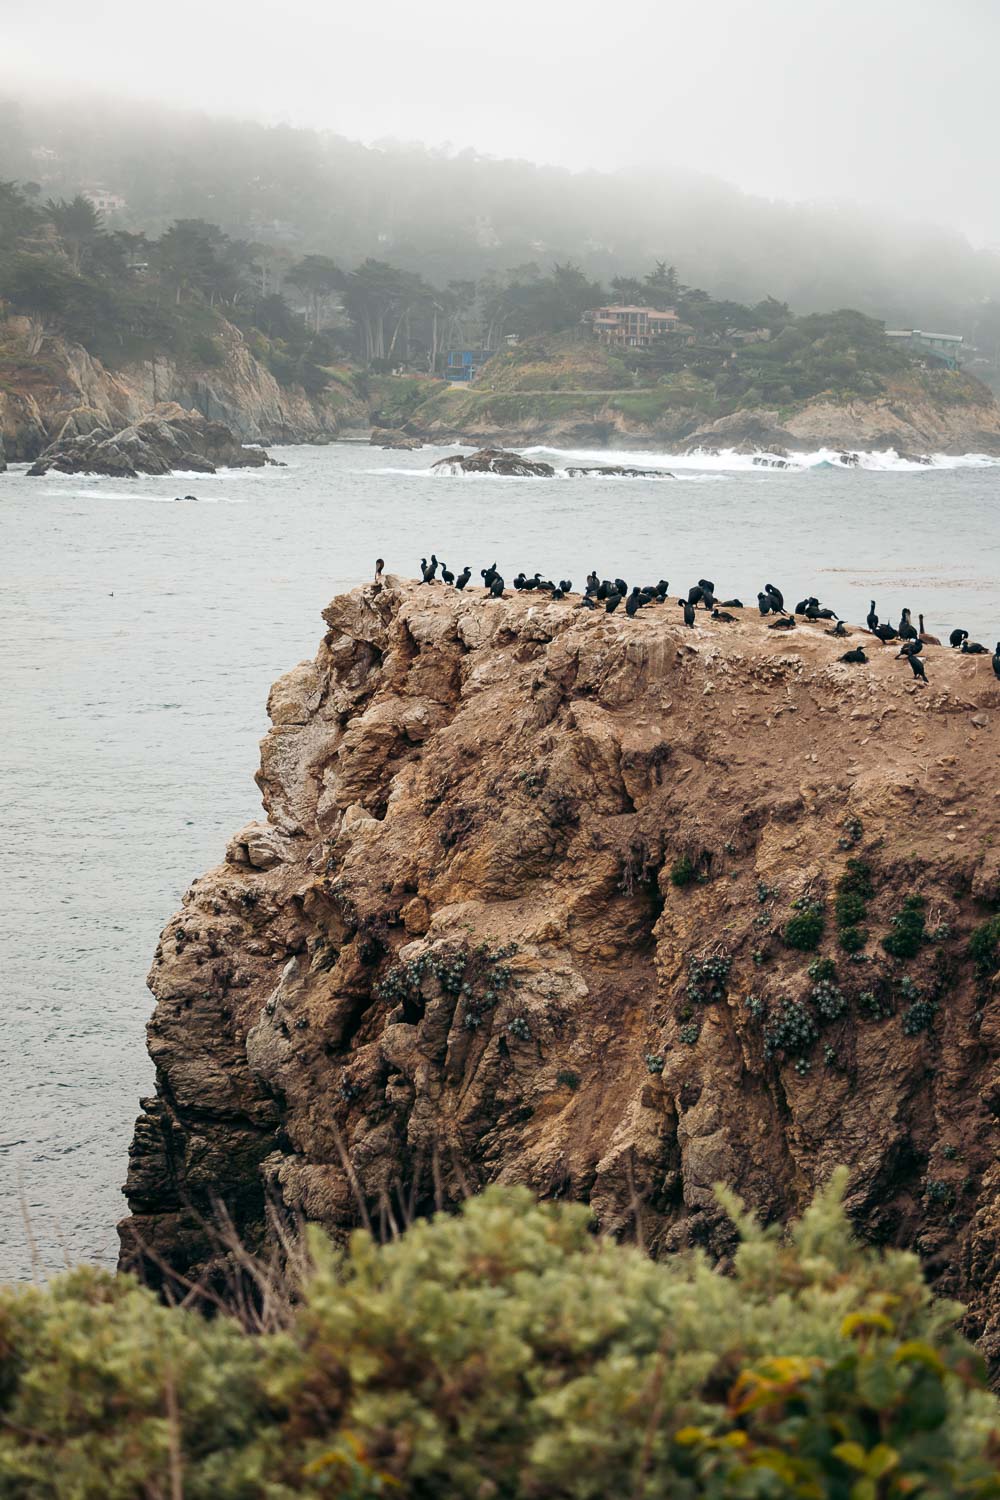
point(520, 912)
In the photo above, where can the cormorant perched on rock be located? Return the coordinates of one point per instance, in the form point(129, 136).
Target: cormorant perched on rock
point(612, 602)
point(996, 660)
point(776, 595)
point(634, 603)
point(661, 590)
point(621, 586)
point(973, 648)
point(783, 622)
point(765, 603)
point(379, 565)
point(928, 640)
point(885, 632)
point(706, 585)
point(424, 570)
point(463, 577)
point(816, 611)
point(801, 607)
point(496, 585)
point(872, 621)
point(695, 594)
point(446, 575)
point(432, 570)
point(857, 656)
point(587, 602)
point(566, 584)
point(916, 666)
point(688, 609)
point(732, 604)
point(721, 614)
point(839, 629)
point(519, 582)
point(911, 647)
point(906, 628)
point(488, 574)
point(957, 637)
point(593, 583)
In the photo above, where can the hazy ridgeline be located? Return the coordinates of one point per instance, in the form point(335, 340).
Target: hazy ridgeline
point(465, 216)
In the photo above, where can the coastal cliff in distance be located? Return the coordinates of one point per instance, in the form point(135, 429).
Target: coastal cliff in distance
point(609, 907)
point(567, 390)
point(52, 389)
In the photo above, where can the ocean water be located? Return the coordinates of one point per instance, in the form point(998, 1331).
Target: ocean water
point(141, 634)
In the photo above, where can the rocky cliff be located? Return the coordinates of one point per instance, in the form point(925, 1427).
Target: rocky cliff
point(51, 389)
point(610, 907)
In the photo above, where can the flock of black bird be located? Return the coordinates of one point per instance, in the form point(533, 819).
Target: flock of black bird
point(612, 592)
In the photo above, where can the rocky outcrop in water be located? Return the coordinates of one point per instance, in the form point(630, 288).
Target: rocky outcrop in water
point(169, 440)
point(616, 471)
point(611, 907)
point(495, 461)
point(387, 437)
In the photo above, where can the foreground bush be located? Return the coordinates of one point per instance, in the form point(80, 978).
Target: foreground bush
point(506, 1352)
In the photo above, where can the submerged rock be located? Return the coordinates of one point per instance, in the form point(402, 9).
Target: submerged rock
point(617, 471)
point(169, 440)
point(495, 461)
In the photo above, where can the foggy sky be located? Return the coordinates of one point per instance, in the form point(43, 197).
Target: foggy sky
point(891, 102)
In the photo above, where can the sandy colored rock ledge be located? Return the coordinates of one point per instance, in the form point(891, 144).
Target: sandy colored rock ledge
point(504, 795)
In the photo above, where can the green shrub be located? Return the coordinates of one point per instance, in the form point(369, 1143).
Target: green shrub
point(907, 929)
point(852, 939)
point(857, 879)
point(805, 930)
point(982, 947)
point(682, 871)
point(822, 968)
point(567, 1079)
point(850, 908)
point(509, 1352)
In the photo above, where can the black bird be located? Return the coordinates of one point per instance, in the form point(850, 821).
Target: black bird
point(593, 582)
point(765, 603)
point(566, 584)
point(708, 598)
point(463, 577)
point(928, 640)
point(545, 584)
point(721, 614)
point(425, 570)
point(612, 602)
point(604, 588)
point(911, 647)
point(695, 594)
point(906, 628)
point(783, 622)
point(816, 611)
point(446, 576)
point(634, 603)
point(432, 569)
point(856, 656)
point(488, 574)
point(996, 660)
point(621, 586)
point(688, 609)
point(973, 648)
point(776, 595)
point(838, 629)
point(586, 603)
point(496, 585)
point(957, 637)
point(707, 585)
point(520, 581)
point(801, 607)
point(661, 589)
point(379, 565)
point(732, 604)
point(885, 632)
point(916, 666)
point(872, 621)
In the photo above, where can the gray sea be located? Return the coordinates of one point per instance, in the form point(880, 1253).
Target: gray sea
point(141, 634)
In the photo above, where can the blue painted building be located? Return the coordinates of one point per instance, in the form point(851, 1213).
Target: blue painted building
point(465, 364)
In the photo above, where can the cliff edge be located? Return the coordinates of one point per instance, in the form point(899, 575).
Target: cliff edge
point(610, 907)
